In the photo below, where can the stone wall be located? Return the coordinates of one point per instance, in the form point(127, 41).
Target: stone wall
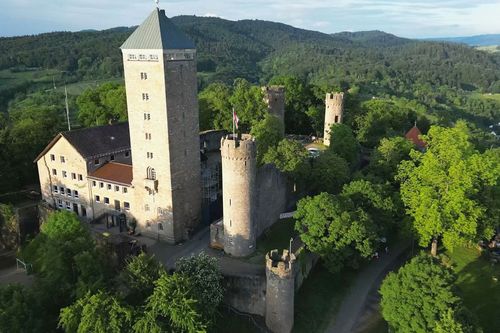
point(272, 189)
point(246, 293)
point(334, 113)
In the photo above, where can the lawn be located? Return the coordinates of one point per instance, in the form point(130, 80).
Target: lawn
point(78, 87)
point(10, 79)
point(478, 287)
point(276, 237)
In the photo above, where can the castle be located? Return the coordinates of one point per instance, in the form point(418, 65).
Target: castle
point(161, 172)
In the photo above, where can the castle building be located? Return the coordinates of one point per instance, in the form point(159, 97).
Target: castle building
point(334, 113)
point(148, 169)
point(274, 97)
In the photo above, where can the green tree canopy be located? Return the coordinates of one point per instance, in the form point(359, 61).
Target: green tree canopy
point(99, 106)
point(336, 230)
point(215, 107)
point(98, 313)
point(206, 281)
point(329, 172)
point(267, 132)
point(344, 144)
point(290, 157)
point(248, 103)
point(414, 298)
point(440, 187)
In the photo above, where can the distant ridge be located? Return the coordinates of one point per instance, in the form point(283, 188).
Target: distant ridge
point(479, 40)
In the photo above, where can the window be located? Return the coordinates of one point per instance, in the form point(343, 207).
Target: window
point(94, 183)
point(160, 226)
point(148, 136)
point(63, 160)
point(106, 201)
point(96, 162)
point(97, 198)
point(144, 76)
point(151, 173)
point(112, 157)
point(59, 203)
point(153, 57)
point(73, 175)
point(149, 155)
point(108, 186)
point(126, 205)
point(80, 177)
point(61, 189)
point(336, 119)
point(52, 157)
point(68, 192)
point(146, 208)
point(142, 57)
point(117, 188)
point(132, 57)
point(68, 205)
point(55, 189)
point(145, 96)
point(75, 194)
point(64, 174)
point(124, 190)
point(127, 154)
point(54, 172)
point(101, 184)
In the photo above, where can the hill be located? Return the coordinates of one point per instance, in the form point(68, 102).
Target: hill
point(478, 40)
point(258, 50)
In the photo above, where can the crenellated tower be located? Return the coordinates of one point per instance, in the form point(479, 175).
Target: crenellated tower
point(161, 85)
point(334, 112)
point(280, 291)
point(239, 173)
point(274, 97)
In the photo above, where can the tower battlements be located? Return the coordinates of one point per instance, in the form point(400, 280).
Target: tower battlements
point(238, 148)
point(335, 99)
point(281, 265)
point(274, 97)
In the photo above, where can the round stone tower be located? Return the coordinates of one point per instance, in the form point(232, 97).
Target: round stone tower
point(334, 112)
point(280, 291)
point(274, 97)
point(239, 173)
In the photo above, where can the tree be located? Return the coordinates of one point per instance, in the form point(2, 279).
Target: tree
point(344, 144)
point(98, 313)
point(8, 227)
point(336, 230)
point(387, 156)
point(267, 134)
point(290, 157)
point(215, 107)
point(414, 298)
point(18, 310)
point(206, 281)
point(328, 173)
point(138, 277)
point(440, 188)
point(171, 307)
point(101, 105)
point(450, 322)
point(248, 102)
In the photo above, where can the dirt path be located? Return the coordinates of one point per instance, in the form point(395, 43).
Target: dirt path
point(357, 301)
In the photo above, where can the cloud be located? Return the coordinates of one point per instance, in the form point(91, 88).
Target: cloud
point(402, 17)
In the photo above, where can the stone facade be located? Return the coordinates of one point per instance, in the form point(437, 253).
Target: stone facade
point(274, 97)
point(239, 171)
point(334, 113)
point(280, 291)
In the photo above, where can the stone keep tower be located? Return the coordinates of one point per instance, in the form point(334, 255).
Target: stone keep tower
point(274, 97)
point(334, 112)
point(280, 291)
point(161, 85)
point(239, 173)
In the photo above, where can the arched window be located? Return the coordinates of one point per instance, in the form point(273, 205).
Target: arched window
point(151, 173)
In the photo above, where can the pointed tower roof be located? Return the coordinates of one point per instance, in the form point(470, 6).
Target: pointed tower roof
point(158, 32)
point(414, 136)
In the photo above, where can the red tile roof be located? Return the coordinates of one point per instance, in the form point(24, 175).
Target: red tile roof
point(414, 136)
point(114, 172)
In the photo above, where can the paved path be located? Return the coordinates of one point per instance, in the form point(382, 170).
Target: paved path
point(14, 275)
point(355, 302)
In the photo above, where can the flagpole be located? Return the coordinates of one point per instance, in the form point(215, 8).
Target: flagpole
point(234, 132)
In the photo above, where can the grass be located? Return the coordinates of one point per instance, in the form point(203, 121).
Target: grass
point(10, 79)
point(495, 97)
point(319, 299)
point(276, 237)
point(230, 322)
point(78, 88)
point(479, 290)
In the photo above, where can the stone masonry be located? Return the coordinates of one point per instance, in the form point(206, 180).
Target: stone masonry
point(334, 111)
point(274, 97)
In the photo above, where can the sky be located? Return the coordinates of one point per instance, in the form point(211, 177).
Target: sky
point(405, 18)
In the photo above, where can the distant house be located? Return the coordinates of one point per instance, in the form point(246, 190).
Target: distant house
point(414, 135)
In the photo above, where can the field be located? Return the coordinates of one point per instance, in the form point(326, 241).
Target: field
point(78, 87)
point(479, 286)
point(491, 48)
point(9, 79)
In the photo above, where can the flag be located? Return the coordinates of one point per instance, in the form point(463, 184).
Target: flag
point(235, 119)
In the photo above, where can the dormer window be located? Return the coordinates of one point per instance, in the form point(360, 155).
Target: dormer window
point(132, 57)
